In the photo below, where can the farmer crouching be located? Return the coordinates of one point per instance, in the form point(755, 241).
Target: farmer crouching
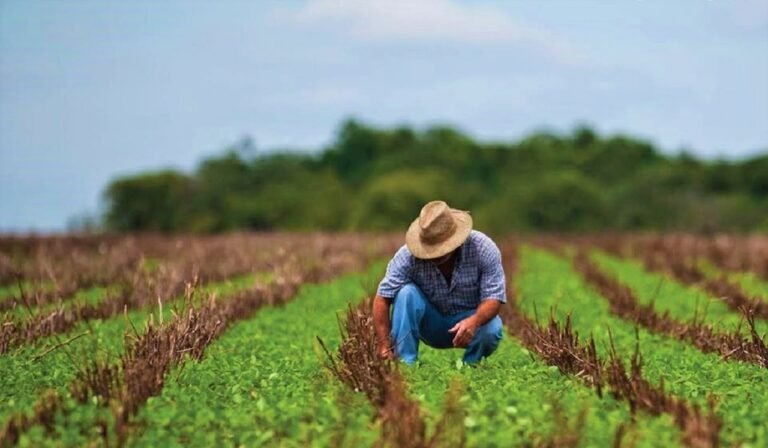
point(446, 284)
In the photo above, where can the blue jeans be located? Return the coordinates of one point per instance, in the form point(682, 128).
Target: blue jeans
point(414, 319)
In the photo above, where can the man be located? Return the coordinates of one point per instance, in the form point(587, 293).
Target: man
point(447, 285)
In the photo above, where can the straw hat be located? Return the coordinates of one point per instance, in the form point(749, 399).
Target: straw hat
point(438, 230)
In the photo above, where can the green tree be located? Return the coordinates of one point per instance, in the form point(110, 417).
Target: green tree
point(155, 201)
point(377, 179)
point(392, 201)
point(563, 201)
point(353, 154)
point(754, 173)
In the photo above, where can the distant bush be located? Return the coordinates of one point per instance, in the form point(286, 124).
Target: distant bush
point(377, 179)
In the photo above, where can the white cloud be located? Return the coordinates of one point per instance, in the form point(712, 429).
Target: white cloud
point(429, 21)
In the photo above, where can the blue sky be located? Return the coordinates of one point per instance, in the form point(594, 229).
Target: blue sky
point(94, 89)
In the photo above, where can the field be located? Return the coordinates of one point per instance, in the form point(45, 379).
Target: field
point(266, 339)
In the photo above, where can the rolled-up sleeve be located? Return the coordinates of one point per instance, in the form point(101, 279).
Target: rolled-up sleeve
point(492, 281)
point(398, 274)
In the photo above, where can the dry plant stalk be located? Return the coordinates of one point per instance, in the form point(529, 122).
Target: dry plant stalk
point(358, 365)
point(148, 357)
point(142, 370)
point(676, 254)
point(314, 257)
point(623, 303)
point(559, 346)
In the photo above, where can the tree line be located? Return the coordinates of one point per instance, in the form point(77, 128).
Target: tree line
point(377, 179)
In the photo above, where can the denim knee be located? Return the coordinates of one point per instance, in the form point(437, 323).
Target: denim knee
point(492, 332)
point(408, 289)
point(409, 295)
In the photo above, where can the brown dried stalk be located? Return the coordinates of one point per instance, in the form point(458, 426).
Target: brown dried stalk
point(358, 365)
point(559, 346)
point(148, 357)
point(623, 303)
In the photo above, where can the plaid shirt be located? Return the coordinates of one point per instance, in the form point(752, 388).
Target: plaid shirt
point(477, 275)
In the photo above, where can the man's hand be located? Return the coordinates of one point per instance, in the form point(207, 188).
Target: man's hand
point(465, 331)
point(385, 350)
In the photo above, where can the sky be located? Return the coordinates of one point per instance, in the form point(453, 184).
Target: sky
point(91, 90)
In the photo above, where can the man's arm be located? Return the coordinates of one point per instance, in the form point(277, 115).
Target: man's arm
point(465, 329)
point(382, 326)
point(492, 288)
point(397, 275)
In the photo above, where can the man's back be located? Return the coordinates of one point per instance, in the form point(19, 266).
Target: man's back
point(477, 275)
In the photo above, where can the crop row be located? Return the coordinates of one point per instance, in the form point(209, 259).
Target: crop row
point(730, 344)
point(547, 281)
point(29, 318)
point(336, 254)
point(731, 253)
point(358, 365)
point(660, 256)
point(263, 381)
point(617, 371)
point(54, 271)
point(663, 363)
point(559, 345)
point(553, 417)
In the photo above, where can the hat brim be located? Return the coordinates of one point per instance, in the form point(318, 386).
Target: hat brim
point(427, 251)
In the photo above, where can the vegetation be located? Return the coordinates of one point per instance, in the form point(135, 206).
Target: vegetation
point(274, 393)
point(547, 281)
point(650, 287)
point(68, 384)
point(377, 179)
point(259, 351)
point(520, 396)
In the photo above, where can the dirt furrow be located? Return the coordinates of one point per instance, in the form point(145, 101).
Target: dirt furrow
point(142, 292)
point(139, 288)
point(140, 373)
point(559, 345)
point(359, 367)
point(721, 288)
point(676, 256)
point(623, 303)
